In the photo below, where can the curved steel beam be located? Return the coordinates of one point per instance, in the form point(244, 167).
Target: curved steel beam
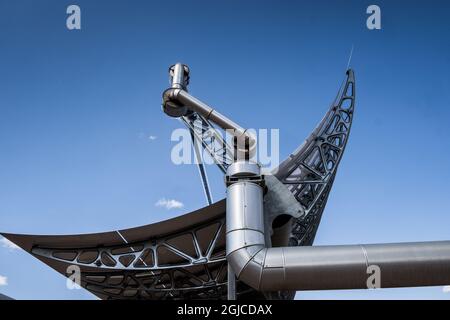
point(309, 171)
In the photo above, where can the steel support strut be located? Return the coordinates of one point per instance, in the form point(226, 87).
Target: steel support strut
point(244, 200)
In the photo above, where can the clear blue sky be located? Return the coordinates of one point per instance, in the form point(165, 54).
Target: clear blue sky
point(77, 109)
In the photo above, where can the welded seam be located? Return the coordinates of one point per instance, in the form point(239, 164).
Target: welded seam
point(365, 255)
point(249, 260)
point(262, 269)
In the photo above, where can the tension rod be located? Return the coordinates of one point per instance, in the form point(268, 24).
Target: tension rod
point(201, 168)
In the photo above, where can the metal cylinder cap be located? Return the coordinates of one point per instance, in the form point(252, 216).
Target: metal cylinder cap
point(243, 168)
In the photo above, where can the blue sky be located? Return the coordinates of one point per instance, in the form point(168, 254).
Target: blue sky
point(77, 109)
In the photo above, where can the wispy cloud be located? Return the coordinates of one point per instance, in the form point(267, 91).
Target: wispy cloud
point(3, 280)
point(5, 243)
point(169, 204)
point(446, 289)
point(146, 136)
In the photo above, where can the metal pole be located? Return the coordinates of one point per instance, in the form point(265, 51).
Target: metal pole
point(179, 76)
point(201, 168)
point(231, 286)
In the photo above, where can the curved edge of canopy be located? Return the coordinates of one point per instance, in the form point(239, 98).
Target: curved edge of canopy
point(112, 238)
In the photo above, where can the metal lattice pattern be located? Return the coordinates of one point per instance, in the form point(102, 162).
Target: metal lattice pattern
point(206, 281)
point(181, 250)
point(211, 140)
point(309, 172)
point(191, 264)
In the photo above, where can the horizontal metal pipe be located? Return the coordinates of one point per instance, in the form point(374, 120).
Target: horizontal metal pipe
point(344, 267)
point(320, 267)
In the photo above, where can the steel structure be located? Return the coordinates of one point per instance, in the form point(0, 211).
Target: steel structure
point(3, 297)
point(263, 232)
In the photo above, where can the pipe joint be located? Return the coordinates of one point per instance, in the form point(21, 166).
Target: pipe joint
point(170, 104)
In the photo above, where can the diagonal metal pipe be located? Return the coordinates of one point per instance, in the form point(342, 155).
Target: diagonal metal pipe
point(177, 102)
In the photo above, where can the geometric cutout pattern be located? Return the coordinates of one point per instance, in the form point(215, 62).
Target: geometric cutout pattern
point(310, 171)
point(189, 265)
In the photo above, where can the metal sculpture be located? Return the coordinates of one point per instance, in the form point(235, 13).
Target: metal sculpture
point(263, 233)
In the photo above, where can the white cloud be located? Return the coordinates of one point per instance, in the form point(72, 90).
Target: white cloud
point(446, 289)
point(169, 204)
point(3, 281)
point(152, 138)
point(8, 244)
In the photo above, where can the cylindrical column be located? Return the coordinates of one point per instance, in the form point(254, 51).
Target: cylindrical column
point(179, 76)
point(179, 80)
point(244, 223)
point(231, 284)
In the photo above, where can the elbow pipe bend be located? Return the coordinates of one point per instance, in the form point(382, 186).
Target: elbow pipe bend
point(178, 102)
point(343, 266)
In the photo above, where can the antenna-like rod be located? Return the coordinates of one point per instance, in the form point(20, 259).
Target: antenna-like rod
point(201, 168)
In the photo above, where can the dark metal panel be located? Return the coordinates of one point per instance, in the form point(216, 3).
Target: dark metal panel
point(3, 297)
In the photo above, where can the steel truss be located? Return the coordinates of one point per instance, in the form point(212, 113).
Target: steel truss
point(310, 171)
